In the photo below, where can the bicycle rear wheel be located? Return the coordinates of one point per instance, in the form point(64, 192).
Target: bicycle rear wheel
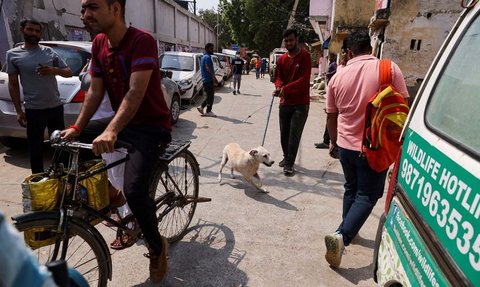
point(84, 251)
point(179, 187)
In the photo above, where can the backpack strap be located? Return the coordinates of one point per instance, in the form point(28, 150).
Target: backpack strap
point(385, 73)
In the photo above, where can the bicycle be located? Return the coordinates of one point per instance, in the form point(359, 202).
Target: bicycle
point(68, 232)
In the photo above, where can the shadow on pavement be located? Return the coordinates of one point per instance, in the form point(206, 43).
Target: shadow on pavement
point(358, 240)
point(205, 257)
point(355, 275)
point(257, 195)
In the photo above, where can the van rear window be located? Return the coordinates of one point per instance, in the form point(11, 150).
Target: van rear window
point(454, 106)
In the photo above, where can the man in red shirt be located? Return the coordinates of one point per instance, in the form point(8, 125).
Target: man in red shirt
point(125, 64)
point(292, 85)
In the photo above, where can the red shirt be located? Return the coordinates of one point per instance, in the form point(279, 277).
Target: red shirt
point(136, 52)
point(293, 76)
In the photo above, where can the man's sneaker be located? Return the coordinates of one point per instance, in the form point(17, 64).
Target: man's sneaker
point(281, 163)
point(210, 114)
point(158, 263)
point(238, 92)
point(321, 145)
point(335, 248)
point(234, 92)
point(288, 170)
point(200, 110)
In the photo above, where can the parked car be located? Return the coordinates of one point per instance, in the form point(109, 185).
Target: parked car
point(186, 72)
point(220, 72)
point(76, 55)
point(274, 55)
point(226, 61)
point(429, 233)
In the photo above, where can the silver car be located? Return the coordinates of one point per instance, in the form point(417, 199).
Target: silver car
point(76, 55)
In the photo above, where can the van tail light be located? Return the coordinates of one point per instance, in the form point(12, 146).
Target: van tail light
point(79, 97)
point(393, 181)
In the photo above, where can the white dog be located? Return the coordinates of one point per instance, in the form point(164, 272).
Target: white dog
point(246, 163)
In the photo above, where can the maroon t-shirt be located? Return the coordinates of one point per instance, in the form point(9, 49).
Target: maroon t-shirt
point(293, 76)
point(136, 52)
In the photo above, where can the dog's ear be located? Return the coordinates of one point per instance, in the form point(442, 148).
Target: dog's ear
point(253, 152)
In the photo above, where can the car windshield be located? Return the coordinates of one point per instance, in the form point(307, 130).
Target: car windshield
point(176, 62)
point(75, 58)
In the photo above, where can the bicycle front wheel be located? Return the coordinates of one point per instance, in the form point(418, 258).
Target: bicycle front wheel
point(176, 195)
point(84, 251)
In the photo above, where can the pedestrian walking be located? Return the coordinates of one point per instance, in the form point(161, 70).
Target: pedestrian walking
point(264, 67)
point(209, 80)
point(258, 65)
point(348, 93)
point(332, 69)
point(292, 85)
point(237, 73)
point(37, 66)
point(125, 64)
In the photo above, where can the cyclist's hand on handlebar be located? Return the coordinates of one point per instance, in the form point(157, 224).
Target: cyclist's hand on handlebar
point(104, 143)
point(69, 133)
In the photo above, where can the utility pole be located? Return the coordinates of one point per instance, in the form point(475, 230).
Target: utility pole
point(291, 19)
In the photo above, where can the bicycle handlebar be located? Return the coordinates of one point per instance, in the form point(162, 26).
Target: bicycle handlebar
point(56, 139)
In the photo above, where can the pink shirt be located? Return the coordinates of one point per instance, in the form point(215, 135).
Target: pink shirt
point(348, 93)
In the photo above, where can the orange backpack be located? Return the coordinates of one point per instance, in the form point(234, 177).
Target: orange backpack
point(385, 116)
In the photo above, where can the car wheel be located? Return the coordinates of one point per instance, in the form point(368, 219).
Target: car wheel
point(175, 108)
point(14, 143)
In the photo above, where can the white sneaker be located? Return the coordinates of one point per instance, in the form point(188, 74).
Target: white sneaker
point(210, 114)
point(200, 110)
point(335, 248)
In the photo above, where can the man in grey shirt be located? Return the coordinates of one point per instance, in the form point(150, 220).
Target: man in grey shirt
point(37, 67)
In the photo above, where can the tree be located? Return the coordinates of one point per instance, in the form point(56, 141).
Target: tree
point(210, 17)
point(258, 24)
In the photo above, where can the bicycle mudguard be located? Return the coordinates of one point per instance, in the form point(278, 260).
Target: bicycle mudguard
point(37, 215)
point(19, 218)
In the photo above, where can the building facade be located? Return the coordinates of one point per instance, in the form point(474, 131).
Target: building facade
point(174, 27)
point(410, 32)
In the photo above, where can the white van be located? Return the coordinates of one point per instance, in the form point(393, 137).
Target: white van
point(429, 234)
point(186, 72)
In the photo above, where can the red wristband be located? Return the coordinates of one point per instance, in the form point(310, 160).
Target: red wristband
point(75, 128)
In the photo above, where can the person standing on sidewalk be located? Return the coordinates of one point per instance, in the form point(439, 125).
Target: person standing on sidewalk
point(209, 80)
point(348, 93)
point(37, 66)
point(125, 64)
point(292, 85)
point(332, 69)
point(237, 73)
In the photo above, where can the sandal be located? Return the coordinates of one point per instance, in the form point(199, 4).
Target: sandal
point(122, 242)
point(116, 218)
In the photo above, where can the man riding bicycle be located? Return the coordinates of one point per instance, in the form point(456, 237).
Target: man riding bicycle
point(125, 64)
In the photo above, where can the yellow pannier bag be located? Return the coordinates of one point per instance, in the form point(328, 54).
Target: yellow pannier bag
point(96, 185)
point(44, 194)
point(41, 193)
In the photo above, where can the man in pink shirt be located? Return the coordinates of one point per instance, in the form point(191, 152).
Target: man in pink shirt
point(348, 93)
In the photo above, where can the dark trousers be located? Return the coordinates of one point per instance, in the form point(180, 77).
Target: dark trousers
point(208, 102)
point(326, 136)
point(363, 188)
point(292, 122)
point(37, 121)
point(138, 175)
